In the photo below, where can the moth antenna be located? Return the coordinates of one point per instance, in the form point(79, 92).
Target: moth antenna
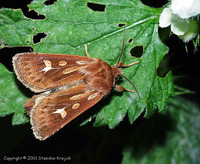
point(132, 85)
point(122, 47)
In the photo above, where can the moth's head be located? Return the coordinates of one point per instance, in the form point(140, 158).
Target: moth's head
point(116, 71)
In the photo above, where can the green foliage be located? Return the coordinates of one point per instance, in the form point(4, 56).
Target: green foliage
point(170, 137)
point(11, 99)
point(71, 24)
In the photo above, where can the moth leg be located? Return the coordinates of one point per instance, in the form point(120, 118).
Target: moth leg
point(121, 89)
point(126, 65)
point(86, 51)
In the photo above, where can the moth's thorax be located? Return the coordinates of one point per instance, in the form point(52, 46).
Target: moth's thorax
point(99, 75)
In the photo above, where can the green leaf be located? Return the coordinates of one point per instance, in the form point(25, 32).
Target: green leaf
point(170, 137)
point(11, 99)
point(71, 24)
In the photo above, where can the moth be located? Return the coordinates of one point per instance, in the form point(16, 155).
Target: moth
point(67, 85)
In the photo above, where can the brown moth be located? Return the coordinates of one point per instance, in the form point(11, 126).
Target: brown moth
point(67, 85)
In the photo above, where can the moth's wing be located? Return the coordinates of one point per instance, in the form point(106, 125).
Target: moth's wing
point(52, 111)
point(40, 72)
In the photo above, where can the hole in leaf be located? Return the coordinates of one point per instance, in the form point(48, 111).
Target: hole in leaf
point(34, 28)
point(156, 4)
point(96, 7)
point(50, 2)
point(121, 25)
point(32, 14)
point(137, 51)
point(6, 55)
point(27, 42)
point(130, 40)
point(38, 37)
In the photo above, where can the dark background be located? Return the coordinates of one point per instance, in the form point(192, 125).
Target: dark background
point(87, 144)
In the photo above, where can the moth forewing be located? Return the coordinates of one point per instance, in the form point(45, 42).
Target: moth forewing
point(41, 72)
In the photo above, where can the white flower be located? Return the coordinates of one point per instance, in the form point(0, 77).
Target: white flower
point(178, 25)
point(178, 14)
point(186, 8)
point(166, 18)
point(191, 32)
